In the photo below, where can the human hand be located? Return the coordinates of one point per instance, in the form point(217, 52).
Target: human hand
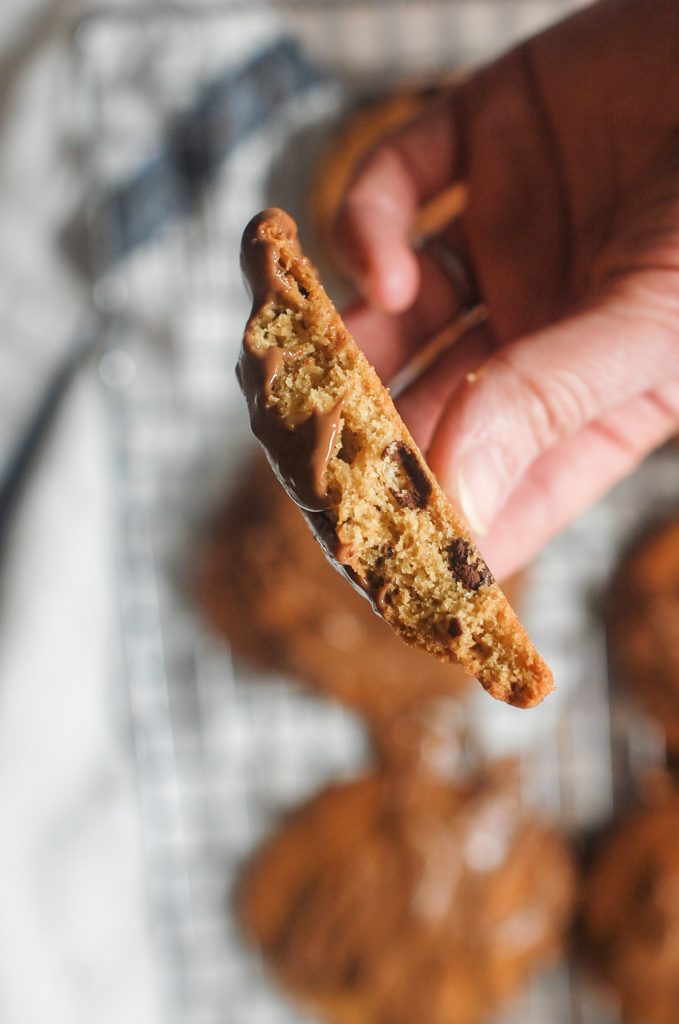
point(569, 146)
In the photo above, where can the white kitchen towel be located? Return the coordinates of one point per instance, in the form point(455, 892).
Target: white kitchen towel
point(75, 942)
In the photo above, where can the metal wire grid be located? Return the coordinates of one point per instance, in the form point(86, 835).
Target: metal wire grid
point(219, 753)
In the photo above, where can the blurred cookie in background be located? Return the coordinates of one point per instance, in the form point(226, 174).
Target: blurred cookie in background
point(430, 737)
point(357, 133)
point(630, 916)
point(399, 897)
point(642, 624)
point(265, 584)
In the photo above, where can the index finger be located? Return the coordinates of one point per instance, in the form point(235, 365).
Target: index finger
point(380, 207)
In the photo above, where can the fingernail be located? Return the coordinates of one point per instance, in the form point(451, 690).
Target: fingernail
point(482, 486)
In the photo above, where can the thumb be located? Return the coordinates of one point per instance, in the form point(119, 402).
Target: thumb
point(540, 390)
point(543, 389)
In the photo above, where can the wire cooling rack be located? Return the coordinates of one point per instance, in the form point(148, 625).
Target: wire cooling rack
point(220, 753)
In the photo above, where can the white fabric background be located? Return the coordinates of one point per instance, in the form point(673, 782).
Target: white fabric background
point(75, 940)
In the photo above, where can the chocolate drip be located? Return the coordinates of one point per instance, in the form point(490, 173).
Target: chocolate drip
point(272, 361)
point(299, 455)
point(261, 257)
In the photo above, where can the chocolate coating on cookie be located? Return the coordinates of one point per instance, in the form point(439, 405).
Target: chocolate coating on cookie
point(259, 255)
point(299, 455)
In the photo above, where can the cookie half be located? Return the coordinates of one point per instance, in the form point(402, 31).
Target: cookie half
point(338, 446)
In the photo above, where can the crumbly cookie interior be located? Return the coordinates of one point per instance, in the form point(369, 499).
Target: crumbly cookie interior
point(392, 528)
